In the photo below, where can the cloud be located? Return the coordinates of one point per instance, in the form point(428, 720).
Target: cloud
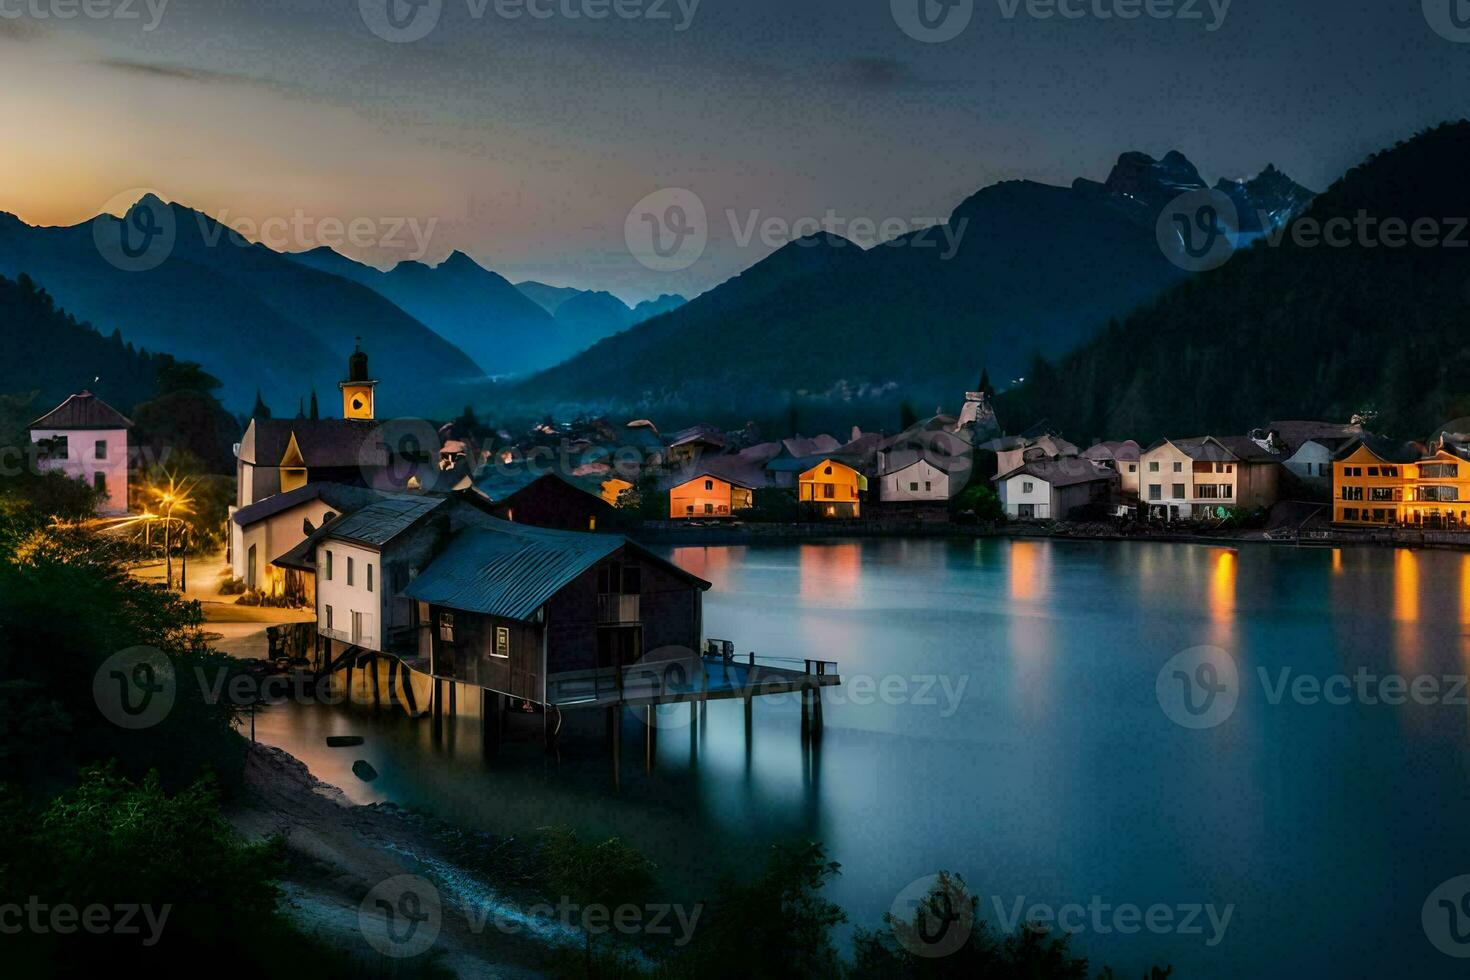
point(150, 69)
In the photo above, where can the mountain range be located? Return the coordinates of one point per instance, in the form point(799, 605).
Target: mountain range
point(1295, 327)
point(1037, 270)
point(252, 317)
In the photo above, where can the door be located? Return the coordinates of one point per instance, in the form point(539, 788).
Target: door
point(359, 628)
point(1026, 511)
point(250, 569)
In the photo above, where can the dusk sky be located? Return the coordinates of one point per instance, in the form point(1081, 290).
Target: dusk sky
point(529, 140)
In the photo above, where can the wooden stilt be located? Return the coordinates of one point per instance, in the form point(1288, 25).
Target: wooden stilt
point(453, 697)
point(377, 694)
point(817, 711)
point(392, 681)
point(615, 723)
point(436, 697)
point(347, 681)
point(490, 711)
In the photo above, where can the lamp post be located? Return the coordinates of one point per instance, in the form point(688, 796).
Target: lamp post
point(168, 552)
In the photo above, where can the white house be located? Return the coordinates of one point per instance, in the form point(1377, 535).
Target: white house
point(365, 560)
point(1051, 489)
point(87, 439)
point(930, 461)
point(1313, 446)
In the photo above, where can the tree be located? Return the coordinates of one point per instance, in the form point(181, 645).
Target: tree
point(598, 877)
point(261, 409)
point(315, 414)
point(985, 388)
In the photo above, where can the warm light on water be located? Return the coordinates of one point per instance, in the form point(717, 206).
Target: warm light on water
point(1055, 775)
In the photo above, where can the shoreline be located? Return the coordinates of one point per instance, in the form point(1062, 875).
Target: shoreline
point(338, 851)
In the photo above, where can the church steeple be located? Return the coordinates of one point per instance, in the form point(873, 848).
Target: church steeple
point(357, 390)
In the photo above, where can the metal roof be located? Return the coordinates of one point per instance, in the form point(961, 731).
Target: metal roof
point(383, 521)
point(511, 570)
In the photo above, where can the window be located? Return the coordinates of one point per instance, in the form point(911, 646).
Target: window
point(329, 617)
point(100, 450)
point(1352, 493)
point(502, 642)
point(329, 565)
point(1179, 491)
point(827, 471)
point(60, 449)
point(1178, 468)
point(1227, 491)
point(591, 523)
point(928, 485)
point(1155, 492)
point(1390, 471)
point(1439, 494)
point(829, 490)
point(1439, 471)
point(99, 482)
point(1153, 466)
point(1372, 471)
point(1350, 513)
point(913, 487)
point(709, 484)
point(1380, 493)
point(446, 626)
point(709, 508)
point(1027, 486)
point(689, 510)
point(1208, 491)
point(370, 577)
point(1132, 467)
point(350, 564)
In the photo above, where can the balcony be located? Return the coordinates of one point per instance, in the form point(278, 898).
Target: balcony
point(614, 609)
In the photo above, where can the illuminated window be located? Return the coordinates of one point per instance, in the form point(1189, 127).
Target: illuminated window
point(446, 626)
point(502, 642)
point(591, 523)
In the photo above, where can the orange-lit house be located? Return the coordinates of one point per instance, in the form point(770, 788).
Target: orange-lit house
point(832, 490)
point(708, 494)
point(1380, 482)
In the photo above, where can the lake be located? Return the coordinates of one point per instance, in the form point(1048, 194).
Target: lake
point(1040, 717)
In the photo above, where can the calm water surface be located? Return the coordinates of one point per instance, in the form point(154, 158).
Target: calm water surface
point(1000, 719)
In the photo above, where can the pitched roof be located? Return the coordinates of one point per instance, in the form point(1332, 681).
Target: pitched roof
point(497, 482)
point(337, 495)
point(83, 410)
point(801, 447)
point(1126, 451)
point(1247, 450)
point(323, 442)
point(731, 469)
point(1063, 472)
point(706, 434)
point(1388, 450)
point(1296, 432)
point(511, 570)
point(379, 523)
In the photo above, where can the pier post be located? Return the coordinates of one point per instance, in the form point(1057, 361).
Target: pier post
point(377, 694)
point(392, 681)
point(650, 736)
point(490, 711)
point(816, 711)
point(453, 698)
point(348, 680)
point(615, 723)
point(436, 696)
point(806, 712)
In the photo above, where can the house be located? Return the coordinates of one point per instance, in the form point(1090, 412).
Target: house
point(264, 531)
point(281, 455)
point(928, 462)
point(1378, 481)
point(363, 561)
point(1012, 453)
point(1204, 476)
point(1312, 447)
point(1123, 457)
point(690, 444)
point(86, 439)
point(1051, 489)
point(832, 490)
point(714, 487)
point(549, 499)
point(514, 609)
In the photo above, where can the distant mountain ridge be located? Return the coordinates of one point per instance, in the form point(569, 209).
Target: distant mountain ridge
point(475, 309)
point(590, 315)
point(249, 315)
point(1287, 330)
point(1039, 269)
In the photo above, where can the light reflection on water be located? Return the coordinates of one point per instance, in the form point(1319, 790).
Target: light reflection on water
point(1056, 776)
